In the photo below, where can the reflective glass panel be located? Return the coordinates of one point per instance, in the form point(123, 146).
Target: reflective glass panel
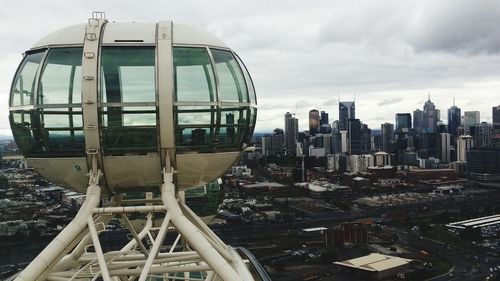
point(232, 85)
point(61, 79)
point(250, 87)
point(195, 115)
point(194, 136)
point(194, 78)
point(128, 74)
point(23, 86)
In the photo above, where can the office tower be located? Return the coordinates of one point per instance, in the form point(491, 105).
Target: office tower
point(496, 126)
point(366, 140)
point(496, 117)
point(471, 118)
point(418, 120)
point(346, 112)
point(344, 139)
point(324, 118)
point(484, 161)
point(431, 116)
point(313, 122)
point(403, 122)
point(444, 148)
point(291, 132)
point(483, 135)
point(336, 143)
point(326, 143)
point(335, 126)
point(230, 129)
point(464, 143)
point(354, 136)
point(387, 136)
point(454, 115)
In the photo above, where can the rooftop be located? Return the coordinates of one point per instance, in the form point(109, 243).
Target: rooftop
point(374, 262)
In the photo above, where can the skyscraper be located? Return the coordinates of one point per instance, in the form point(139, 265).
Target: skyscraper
point(496, 117)
point(454, 115)
point(471, 118)
point(483, 135)
point(291, 131)
point(346, 111)
point(496, 126)
point(324, 118)
point(313, 122)
point(444, 147)
point(387, 136)
point(354, 136)
point(431, 116)
point(403, 122)
point(418, 120)
point(464, 143)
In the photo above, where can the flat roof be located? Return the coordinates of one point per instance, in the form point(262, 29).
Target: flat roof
point(477, 222)
point(374, 262)
point(321, 228)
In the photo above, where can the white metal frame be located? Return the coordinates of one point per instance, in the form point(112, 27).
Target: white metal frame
point(67, 257)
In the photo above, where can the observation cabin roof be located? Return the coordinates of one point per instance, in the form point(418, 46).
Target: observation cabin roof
point(130, 32)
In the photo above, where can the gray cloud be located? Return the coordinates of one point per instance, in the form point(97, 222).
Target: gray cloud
point(389, 101)
point(303, 55)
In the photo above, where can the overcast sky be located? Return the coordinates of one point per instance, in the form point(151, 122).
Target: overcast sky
point(307, 54)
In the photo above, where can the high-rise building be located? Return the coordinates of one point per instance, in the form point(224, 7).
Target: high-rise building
point(483, 135)
point(313, 122)
point(444, 147)
point(366, 138)
point(291, 132)
point(273, 144)
point(431, 116)
point(454, 115)
point(387, 136)
point(464, 143)
point(346, 111)
point(484, 161)
point(471, 118)
point(496, 117)
point(418, 120)
point(354, 136)
point(324, 118)
point(496, 126)
point(403, 122)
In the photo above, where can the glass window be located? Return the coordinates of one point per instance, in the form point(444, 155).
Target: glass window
point(250, 87)
point(128, 76)
point(23, 86)
point(194, 136)
point(232, 85)
point(193, 75)
point(233, 125)
point(195, 115)
point(61, 77)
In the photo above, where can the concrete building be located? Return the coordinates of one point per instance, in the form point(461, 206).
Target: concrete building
point(483, 135)
point(418, 120)
point(444, 147)
point(464, 143)
point(291, 132)
point(354, 136)
point(496, 126)
point(382, 159)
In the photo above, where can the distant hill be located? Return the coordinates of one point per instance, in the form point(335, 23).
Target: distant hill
point(6, 138)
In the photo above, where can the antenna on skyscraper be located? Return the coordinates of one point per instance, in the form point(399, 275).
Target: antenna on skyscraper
point(453, 101)
point(429, 96)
